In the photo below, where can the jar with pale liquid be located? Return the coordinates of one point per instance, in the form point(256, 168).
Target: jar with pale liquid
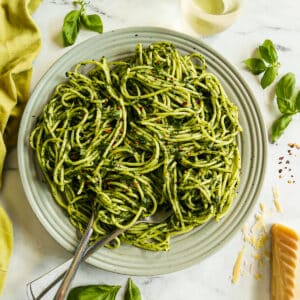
point(208, 17)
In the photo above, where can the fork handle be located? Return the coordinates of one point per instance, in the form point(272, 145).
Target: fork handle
point(39, 287)
point(79, 254)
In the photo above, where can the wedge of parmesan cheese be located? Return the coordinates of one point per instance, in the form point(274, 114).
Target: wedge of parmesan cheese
point(285, 263)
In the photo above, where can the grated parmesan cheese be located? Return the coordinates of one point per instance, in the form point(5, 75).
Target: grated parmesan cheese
point(276, 199)
point(237, 265)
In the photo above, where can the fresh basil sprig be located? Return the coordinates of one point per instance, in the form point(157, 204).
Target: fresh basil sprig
point(74, 19)
point(94, 292)
point(288, 104)
point(267, 63)
point(104, 292)
point(132, 292)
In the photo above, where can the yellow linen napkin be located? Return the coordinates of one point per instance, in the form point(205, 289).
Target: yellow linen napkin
point(6, 245)
point(19, 45)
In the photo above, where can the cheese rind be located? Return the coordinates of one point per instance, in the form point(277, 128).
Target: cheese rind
point(285, 263)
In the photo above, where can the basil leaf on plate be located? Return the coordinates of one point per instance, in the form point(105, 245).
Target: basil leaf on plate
point(269, 76)
point(255, 65)
point(268, 52)
point(94, 292)
point(71, 27)
point(132, 292)
point(279, 126)
point(92, 22)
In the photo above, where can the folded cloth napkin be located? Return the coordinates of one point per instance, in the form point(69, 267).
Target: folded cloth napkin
point(6, 245)
point(20, 43)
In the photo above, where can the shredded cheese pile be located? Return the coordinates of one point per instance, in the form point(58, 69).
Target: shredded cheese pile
point(256, 241)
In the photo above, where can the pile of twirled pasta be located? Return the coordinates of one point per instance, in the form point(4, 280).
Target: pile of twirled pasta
point(134, 136)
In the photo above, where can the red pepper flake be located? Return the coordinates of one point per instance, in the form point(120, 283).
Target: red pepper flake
point(280, 170)
point(281, 158)
point(122, 130)
point(184, 103)
point(287, 162)
point(107, 130)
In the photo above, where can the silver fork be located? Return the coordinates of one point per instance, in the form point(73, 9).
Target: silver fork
point(79, 253)
point(39, 287)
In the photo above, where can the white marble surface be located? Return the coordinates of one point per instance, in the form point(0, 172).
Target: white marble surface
point(36, 252)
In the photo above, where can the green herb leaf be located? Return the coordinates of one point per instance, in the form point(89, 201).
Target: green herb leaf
point(297, 102)
point(132, 292)
point(71, 27)
point(284, 92)
point(279, 126)
point(269, 76)
point(94, 292)
point(285, 86)
point(286, 106)
point(255, 65)
point(268, 52)
point(92, 22)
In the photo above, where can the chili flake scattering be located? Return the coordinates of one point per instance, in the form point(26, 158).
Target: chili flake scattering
point(284, 162)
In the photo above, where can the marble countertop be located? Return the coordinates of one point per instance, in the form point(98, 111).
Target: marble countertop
point(35, 252)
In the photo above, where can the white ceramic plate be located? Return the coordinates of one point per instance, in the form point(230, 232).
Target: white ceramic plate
point(187, 249)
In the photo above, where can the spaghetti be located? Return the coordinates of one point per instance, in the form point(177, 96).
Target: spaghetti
point(132, 136)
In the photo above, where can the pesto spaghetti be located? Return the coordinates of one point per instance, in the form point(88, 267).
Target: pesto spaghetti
point(133, 136)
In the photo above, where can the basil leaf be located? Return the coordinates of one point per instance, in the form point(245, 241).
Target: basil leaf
point(92, 22)
point(284, 92)
point(71, 27)
point(269, 76)
point(297, 102)
point(285, 86)
point(94, 292)
point(268, 52)
point(255, 65)
point(132, 292)
point(286, 106)
point(279, 126)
